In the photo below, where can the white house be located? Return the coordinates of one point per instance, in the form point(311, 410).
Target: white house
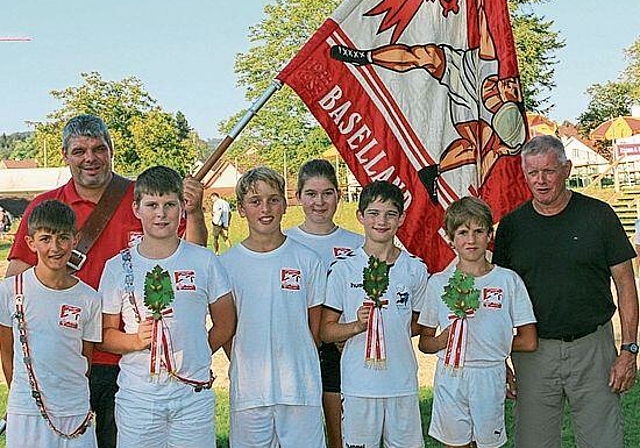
point(587, 164)
point(222, 178)
point(32, 181)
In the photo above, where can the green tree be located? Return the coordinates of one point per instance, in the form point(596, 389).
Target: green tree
point(24, 149)
point(143, 134)
point(155, 130)
point(631, 73)
point(183, 126)
point(284, 123)
point(536, 45)
point(613, 98)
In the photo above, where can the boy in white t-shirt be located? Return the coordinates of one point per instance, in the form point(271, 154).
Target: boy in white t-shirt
point(49, 322)
point(380, 404)
point(157, 297)
point(278, 285)
point(470, 379)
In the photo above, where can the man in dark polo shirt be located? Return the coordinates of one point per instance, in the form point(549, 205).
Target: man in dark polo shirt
point(567, 247)
point(87, 149)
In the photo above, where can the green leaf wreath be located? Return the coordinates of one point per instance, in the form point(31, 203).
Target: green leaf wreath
point(158, 291)
point(460, 295)
point(375, 279)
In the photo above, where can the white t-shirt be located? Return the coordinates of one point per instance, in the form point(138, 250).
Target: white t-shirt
point(274, 359)
point(220, 213)
point(198, 280)
point(407, 286)
point(339, 242)
point(57, 323)
point(504, 305)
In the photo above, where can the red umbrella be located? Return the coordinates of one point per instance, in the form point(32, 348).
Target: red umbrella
point(540, 125)
point(616, 128)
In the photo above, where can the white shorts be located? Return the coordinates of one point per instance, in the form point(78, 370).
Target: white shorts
point(468, 405)
point(184, 419)
point(33, 431)
point(396, 420)
point(279, 425)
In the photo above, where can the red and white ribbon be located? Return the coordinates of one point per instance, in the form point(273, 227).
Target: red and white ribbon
point(375, 355)
point(161, 350)
point(457, 342)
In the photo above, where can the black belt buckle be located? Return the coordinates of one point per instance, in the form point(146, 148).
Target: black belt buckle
point(575, 337)
point(77, 260)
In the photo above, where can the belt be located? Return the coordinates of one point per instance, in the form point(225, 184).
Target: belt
point(575, 336)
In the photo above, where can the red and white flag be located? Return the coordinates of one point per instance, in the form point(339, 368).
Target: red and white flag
point(424, 94)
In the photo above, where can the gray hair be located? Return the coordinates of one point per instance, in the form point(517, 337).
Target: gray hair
point(85, 126)
point(544, 144)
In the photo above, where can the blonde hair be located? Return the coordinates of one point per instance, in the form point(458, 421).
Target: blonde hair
point(249, 180)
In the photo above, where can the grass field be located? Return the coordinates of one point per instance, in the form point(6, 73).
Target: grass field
point(631, 410)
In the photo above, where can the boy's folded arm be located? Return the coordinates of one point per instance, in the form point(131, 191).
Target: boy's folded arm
point(333, 331)
point(416, 328)
point(6, 353)
point(223, 316)
point(114, 340)
point(430, 343)
point(526, 339)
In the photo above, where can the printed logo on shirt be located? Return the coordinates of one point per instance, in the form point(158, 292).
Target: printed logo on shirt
point(134, 238)
point(402, 297)
point(70, 316)
point(338, 251)
point(290, 279)
point(356, 446)
point(492, 298)
point(185, 280)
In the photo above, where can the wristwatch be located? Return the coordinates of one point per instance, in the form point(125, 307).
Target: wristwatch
point(632, 347)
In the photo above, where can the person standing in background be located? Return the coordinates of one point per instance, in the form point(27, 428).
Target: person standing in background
point(220, 218)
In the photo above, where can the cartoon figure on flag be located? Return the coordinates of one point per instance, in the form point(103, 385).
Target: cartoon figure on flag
point(426, 95)
point(486, 111)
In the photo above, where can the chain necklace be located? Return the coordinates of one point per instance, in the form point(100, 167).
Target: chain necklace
point(129, 289)
point(36, 393)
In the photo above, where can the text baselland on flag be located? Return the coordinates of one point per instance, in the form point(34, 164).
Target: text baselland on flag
point(424, 94)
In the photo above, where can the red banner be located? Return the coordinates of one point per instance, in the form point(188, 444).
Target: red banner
point(425, 95)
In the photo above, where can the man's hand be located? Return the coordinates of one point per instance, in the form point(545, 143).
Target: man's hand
point(623, 372)
point(193, 194)
point(196, 231)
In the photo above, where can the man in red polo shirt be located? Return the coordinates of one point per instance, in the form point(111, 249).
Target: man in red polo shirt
point(88, 151)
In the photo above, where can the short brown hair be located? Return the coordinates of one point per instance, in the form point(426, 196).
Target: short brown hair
point(53, 216)
point(465, 211)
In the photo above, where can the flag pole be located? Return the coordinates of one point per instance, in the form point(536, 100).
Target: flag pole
point(231, 136)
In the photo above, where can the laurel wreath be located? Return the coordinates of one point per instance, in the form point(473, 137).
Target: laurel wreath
point(375, 279)
point(460, 295)
point(158, 291)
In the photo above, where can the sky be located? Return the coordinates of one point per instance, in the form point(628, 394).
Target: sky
point(184, 51)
